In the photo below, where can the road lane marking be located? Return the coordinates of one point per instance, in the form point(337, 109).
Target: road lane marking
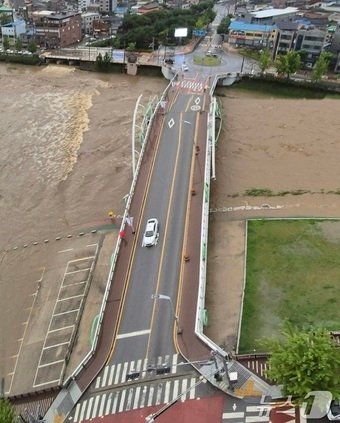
point(166, 229)
point(132, 334)
point(234, 415)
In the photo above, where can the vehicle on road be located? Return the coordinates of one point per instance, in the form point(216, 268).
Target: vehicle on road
point(334, 411)
point(151, 233)
point(185, 67)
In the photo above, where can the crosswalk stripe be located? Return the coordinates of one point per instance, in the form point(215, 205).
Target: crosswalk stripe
point(129, 400)
point(108, 405)
point(95, 406)
point(105, 375)
point(152, 388)
point(159, 393)
point(122, 399)
point(115, 403)
point(88, 414)
point(117, 374)
point(137, 393)
point(193, 389)
point(145, 365)
point(112, 371)
point(175, 391)
point(98, 380)
point(184, 388)
point(134, 397)
point(101, 408)
point(123, 376)
point(82, 411)
point(174, 363)
point(167, 391)
point(142, 402)
point(76, 413)
point(132, 366)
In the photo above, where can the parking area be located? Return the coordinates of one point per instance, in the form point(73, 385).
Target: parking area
point(43, 311)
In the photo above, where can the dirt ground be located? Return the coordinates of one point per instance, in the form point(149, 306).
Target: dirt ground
point(281, 145)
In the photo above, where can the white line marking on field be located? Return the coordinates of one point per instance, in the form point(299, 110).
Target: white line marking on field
point(65, 251)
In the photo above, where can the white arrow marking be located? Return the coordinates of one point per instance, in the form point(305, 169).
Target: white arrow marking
point(234, 407)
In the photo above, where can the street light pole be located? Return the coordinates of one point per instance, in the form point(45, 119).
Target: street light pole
point(166, 297)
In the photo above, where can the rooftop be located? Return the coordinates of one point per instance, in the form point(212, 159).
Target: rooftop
point(267, 13)
point(241, 26)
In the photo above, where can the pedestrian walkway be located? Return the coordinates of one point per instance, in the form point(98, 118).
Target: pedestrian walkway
point(135, 397)
point(252, 414)
point(122, 373)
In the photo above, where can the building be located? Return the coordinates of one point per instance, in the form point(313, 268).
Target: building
point(87, 20)
point(269, 16)
point(285, 39)
point(54, 30)
point(291, 36)
point(252, 35)
point(312, 42)
point(13, 30)
point(148, 7)
point(106, 6)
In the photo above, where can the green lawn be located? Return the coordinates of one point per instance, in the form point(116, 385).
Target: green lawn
point(293, 273)
point(207, 60)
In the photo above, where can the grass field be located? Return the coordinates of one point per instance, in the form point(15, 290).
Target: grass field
point(293, 273)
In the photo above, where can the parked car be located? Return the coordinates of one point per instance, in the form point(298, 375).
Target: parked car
point(151, 233)
point(334, 411)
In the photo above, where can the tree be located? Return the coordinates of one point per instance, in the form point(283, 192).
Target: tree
point(32, 47)
point(6, 411)
point(131, 47)
point(5, 18)
point(18, 44)
point(321, 66)
point(5, 42)
point(265, 60)
point(288, 63)
point(304, 361)
point(224, 25)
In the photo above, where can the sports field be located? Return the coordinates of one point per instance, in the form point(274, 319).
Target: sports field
point(293, 273)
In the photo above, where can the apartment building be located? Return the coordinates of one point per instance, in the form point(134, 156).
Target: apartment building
point(311, 41)
point(252, 35)
point(53, 30)
point(88, 20)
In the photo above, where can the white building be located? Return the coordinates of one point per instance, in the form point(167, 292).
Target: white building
point(87, 21)
point(13, 29)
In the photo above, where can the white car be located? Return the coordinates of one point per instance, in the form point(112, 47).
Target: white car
point(334, 411)
point(151, 233)
point(185, 68)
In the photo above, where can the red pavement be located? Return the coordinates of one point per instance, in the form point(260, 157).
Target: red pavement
point(205, 410)
point(284, 415)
